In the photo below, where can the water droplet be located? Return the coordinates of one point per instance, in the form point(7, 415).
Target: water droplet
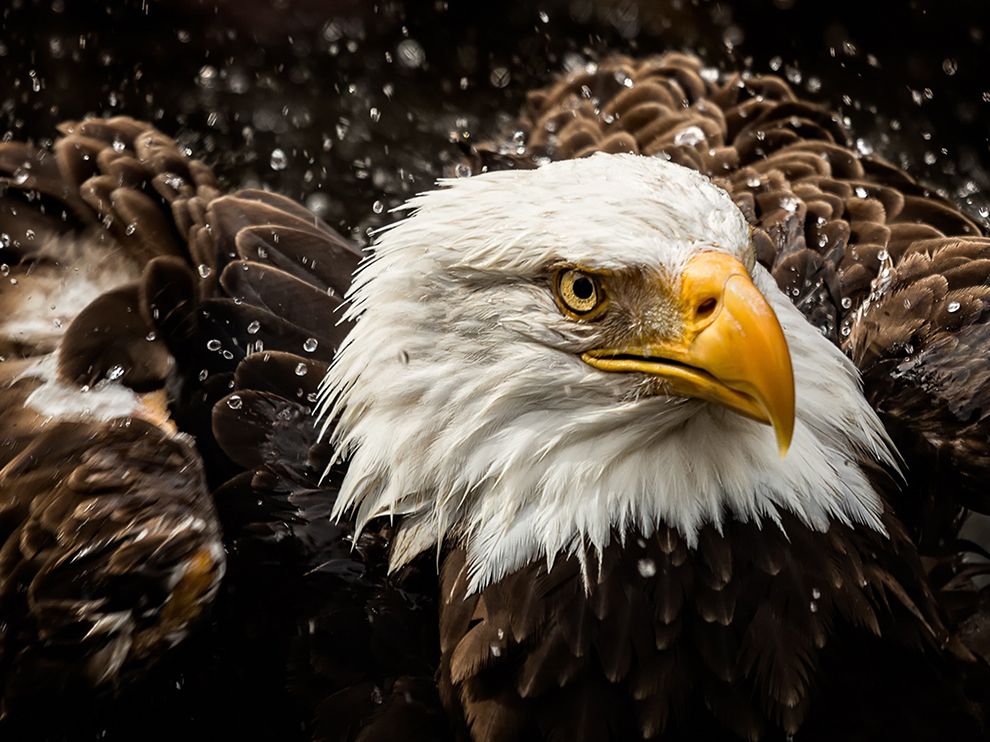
point(115, 372)
point(410, 54)
point(318, 203)
point(861, 192)
point(253, 327)
point(544, 16)
point(500, 77)
point(21, 176)
point(689, 136)
point(864, 147)
point(813, 606)
point(846, 302)
point(227, 355)
point(204, 270)
point(151, 336)
point(207, 76)
point(953, 306)
point(203, 374)
point(213, 344)
point(882, 255)
point(816, 593)
point(234, 402)
point(646, 567)
point(301, 369)
point(378, 207)
point(311, 344)
point(278, 160)
point(496, 650)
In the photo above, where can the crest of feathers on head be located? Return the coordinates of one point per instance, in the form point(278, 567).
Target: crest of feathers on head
point(464, 407)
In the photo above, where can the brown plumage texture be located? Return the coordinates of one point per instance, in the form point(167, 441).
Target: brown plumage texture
point(110, 546)
point(232, 312)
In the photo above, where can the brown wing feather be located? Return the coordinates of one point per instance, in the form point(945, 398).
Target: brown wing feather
point(110, 553)
point(232, 301)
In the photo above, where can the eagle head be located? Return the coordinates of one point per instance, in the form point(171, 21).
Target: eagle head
point(545, 360)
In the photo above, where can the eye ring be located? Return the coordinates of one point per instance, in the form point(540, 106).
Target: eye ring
point(579, 294)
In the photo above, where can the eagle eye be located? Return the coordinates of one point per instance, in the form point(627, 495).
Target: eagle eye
point(578, 293)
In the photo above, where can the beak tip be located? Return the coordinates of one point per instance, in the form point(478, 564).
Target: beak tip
point(785, 434)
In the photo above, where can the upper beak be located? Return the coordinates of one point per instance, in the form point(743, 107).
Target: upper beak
point(732, 350)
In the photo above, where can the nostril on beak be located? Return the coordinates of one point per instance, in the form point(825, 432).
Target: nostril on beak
point(706, 307)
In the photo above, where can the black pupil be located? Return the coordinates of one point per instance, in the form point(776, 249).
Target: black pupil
point(583, 288)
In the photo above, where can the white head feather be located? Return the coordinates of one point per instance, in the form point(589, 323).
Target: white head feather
point(464, 406)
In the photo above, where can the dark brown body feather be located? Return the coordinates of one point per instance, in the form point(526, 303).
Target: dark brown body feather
point(755, 634)
point(240, 295)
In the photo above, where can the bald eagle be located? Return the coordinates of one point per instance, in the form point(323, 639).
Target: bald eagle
point(662, 425)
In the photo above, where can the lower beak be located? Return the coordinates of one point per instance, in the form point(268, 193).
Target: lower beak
point(732, 350)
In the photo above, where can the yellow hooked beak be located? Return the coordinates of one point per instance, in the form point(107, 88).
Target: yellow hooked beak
point(732, 350)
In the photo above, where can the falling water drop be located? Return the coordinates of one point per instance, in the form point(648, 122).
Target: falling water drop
point(278, 160)
point(646, 567)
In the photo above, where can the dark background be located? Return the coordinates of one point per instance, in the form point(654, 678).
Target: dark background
point(349, 105)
